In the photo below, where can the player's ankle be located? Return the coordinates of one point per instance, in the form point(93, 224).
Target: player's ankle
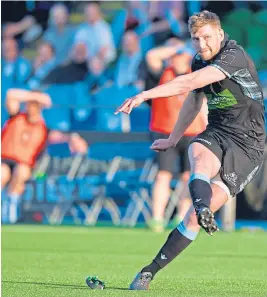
point(153, 268)
point(200, 206)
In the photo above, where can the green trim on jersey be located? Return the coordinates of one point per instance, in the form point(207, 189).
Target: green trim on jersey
point(223, 99)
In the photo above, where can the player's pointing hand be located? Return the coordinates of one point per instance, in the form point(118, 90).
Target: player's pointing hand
point(130, 103)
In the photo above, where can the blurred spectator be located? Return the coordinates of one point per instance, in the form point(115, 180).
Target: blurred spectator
point(168, 25)
point(97, 35)
point(25, 31)
point(138, 13)
point(23, 138)
point(141, 12)
point(127, 68)
point(249, 4)
point(72, 71)
point(164, 115)
point(13, 29)
point(15, 68)
point(170, 55)
point(158, 9)
point(16, 11)
point(59, 33)
point(151, 68)
point(43, 64)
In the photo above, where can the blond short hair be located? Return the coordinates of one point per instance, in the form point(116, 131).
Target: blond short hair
point(201, 19)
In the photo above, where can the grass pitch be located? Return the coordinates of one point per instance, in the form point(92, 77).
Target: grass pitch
point(41, 261)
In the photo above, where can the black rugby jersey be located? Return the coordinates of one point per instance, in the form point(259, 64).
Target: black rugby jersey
point(235, 103)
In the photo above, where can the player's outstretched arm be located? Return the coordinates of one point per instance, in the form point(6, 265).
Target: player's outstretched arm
point(178, 86)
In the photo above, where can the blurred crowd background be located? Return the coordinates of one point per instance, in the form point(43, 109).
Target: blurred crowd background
point(88, 57)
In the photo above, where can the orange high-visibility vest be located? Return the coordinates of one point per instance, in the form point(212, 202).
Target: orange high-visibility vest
point(22, 141)
point(165, 111)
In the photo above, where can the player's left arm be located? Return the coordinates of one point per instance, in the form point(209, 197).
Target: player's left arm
point(186, 83)
point(203, 77)
point(226, 64)
point(178, 86)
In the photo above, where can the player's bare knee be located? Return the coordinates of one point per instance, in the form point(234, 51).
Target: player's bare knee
point(198, 166)
point(5, 175)
point(185, 176)
point(22, 173)
point(16, 186)
point(21, 179)
point(202, 160)
point(163, 176)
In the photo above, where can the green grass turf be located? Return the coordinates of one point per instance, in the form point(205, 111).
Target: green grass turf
point(42, 261)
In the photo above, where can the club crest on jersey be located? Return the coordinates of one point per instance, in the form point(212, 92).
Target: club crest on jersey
point(231, 177)
point(226, 59)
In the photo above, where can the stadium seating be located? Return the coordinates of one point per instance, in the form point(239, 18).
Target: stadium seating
point(257, 54)
point(236, 33)
point(60, 150)
point(147, 43)
point(240, 17)
point(260, 17)
point(140, 118)
point(110, 98)
point(118, 182)
point(4, 116)
point(58, 117)
point(107, 99)
point(256, 35)
point(82, 101)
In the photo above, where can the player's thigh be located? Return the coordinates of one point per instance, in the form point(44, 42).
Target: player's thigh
point(183, 147)
point(5, 174)
point(203, 160)
point(22, 173)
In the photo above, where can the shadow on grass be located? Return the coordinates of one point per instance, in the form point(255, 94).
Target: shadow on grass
point(52, 285)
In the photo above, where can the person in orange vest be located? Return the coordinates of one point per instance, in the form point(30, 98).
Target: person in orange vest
point(24, 137)
point(164, 114)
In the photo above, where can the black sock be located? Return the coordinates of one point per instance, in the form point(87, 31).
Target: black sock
point(200, 192)
point(153, 268)
point(174, 245)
